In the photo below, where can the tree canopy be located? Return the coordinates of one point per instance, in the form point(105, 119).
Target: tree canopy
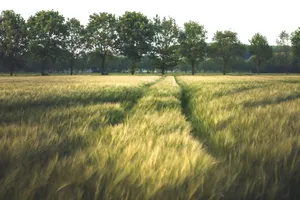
point(74, 41)
point(13, 39)
point(193, 46)
point(47, 32)
point(101, 36)
point(259, 47)
point(165, 43)
point(47, 42)
point(136, 33)
point(226, 46)
point(284, 54)
point(295, 40)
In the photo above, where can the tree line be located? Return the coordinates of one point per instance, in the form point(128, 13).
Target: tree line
point(47, 42)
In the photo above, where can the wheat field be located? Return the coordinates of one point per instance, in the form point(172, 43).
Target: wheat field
point(150, 137)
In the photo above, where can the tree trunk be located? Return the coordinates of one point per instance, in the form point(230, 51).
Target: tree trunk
point(83, 67)
point(162, 70)
point(43, 67)
point(288, 69)
point(132, 70)
point(193, 68)
point(258, 67)
point(103, 65)
point(224, 67)
point(71, 65)
point(11, 69)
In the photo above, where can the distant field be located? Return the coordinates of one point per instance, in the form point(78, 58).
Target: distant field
point(150, 137)
point(24, 74)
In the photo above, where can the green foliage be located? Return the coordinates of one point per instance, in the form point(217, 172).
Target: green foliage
point(283, 42)
point(147, 63)
point(192, 43)
point(295, 40)
point(74, 41)
point(47, 32)
point(165, 43)
point(284, 54)
point(283, 58)
point(226, 46)
point(135, 33)
point(48, 43)
point(212, 65)
point(13, 39)
point(260, 48)
point(101, 36)
point(84, 60)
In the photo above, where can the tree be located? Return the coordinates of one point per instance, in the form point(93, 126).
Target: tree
point(101, 35)
point(74, 41)
point(295, 40)
point(260, 48)
point(192, 43)
point(47, 32)
point(165, 43)
point(212, 65)
point(13, 39)
point(284, 52)
point(226, 46)
point(146, 64)
point(84, 59)
point(136, 33)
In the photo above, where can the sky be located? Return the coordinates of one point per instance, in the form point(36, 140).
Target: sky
point(244, 17)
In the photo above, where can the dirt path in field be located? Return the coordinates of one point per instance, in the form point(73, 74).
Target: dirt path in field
point(186, 111)
point(154, 145)
point(184, 100)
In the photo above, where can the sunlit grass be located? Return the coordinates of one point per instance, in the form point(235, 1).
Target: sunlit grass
point(152, 154)
point(251, 125)
point(120, 137)
point(49, 127)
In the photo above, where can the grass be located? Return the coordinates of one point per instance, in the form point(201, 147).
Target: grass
point(154, 155)
point(49, 127)
point(251, 127)
point(149, 137)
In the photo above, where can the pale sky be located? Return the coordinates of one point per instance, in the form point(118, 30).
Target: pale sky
point(244, 17)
